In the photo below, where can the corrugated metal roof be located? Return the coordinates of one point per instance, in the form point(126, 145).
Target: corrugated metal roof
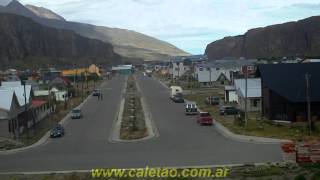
point(253, 90)
point(18, 90)
point(6, 98)
point(289, 80)
point(227, 63)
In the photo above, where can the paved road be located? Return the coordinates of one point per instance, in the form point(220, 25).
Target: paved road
point(181, 142)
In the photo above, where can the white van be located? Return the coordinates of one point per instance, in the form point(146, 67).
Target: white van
point(175, 90)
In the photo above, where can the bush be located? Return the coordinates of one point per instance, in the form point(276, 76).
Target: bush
point(316, 176)
point(300, 177)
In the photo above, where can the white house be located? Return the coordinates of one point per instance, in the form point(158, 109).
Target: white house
point(59, 95)
point(219, 71)
point(253, 93)
point(178, 68)
point(230, 94)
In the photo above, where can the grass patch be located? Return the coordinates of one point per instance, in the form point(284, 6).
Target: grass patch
point(256, 125)
point(133, 121)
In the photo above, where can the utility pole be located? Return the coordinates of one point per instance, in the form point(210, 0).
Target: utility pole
point(82, 86)
point(246, 95)
point(25, 107)
point(308, 103)
point(95, 76)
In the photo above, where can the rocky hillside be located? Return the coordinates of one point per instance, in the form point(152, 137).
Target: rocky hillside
point(301, 38)
point(44, 13)
point(127, 43)
point(25, 42)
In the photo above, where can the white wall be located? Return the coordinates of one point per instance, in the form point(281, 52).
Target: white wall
point(178, 69)
point(203, 73)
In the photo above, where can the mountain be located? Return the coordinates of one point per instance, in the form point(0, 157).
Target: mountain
point(27, 43)
point(301, 38)
point(44, 13)
point(126, 42)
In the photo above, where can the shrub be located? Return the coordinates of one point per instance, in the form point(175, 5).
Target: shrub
point(300, 177)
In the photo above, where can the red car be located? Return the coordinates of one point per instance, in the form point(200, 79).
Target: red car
point(205, 118)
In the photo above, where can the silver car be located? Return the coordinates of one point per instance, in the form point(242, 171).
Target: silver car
point(76, 114)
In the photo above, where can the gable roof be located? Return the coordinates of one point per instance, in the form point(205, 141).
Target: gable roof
point(253, 87)
point(7, 98)
point(289, 80)
point(18, 89)
point(227, 64)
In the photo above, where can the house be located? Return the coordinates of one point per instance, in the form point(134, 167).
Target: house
point(284, 91)
point(59, 95)
point(61, 82)
point(122, 69)
point(221, 72)
point(230, 94)
point(253, 97)
point(34, 85)
point(9, 111)
point(94, 69)
point(18, 109)
point(180, 65)
point(178, 68)
point(15, 100)
point(47, 75)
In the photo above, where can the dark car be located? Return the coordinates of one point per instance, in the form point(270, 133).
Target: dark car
point(228, 110)
point(205, 118)
point(212, 100)
point(57, 131)
point(96, 92)
point(178, 98)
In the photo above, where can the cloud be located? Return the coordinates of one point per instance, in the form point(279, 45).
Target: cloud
point(188, 24)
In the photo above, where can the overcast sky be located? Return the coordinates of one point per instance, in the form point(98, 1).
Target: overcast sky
point(188, 24)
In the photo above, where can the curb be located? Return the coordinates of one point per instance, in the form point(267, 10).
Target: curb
point(246, 139)
point(238, 137)
point(46, 136)
point(152, 131)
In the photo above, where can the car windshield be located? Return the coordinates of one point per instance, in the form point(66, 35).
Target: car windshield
point(76, 111)
point(205, 114)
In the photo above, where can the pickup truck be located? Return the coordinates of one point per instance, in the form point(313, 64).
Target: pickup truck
point(205, 118)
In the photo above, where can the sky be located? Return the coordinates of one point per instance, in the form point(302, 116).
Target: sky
point(187, 24)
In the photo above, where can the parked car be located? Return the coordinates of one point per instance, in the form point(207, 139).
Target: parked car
point(96, 92)
point(212, 100)
point(228, 110)
point(178, 98)
point(76, 113)
point(57, 131)
point(191, 108)
point(204, 118)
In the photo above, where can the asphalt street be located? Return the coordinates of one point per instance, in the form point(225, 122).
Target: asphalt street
point(181, 142)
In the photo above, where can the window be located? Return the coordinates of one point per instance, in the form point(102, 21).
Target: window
point(208, 69)
point(201, 69)
point(255, 102)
